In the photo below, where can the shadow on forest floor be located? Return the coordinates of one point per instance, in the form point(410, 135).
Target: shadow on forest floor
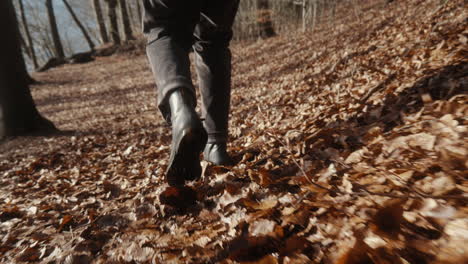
point(441, 84)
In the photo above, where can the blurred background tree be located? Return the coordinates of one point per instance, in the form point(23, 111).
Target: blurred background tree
point(61, 28)
point(18, 113)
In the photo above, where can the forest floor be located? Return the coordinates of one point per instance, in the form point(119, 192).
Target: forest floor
point(350, 146)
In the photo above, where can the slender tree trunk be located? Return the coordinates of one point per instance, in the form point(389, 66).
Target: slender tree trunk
point(264, 21)
point(132, 8)
point(30, 43)
point(314, 15)
point(47, 45)
point(333, 11)
point(54, 30)
point(114, 25)
point(131, 16)
point(138, 5)
point(304, 15)
point(127, 29)
point(18, 114)
point(100, 21)
point(78, 23)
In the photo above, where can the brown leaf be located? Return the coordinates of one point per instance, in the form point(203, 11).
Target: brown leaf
point(145, 211)
point(263, 205)
point(387, 221)
point(300, 218)
point(358, 254)
point(262, 227)
point(5, 248)
point(263, 177)
point(111, 188)
point(208, 216)
point(10, 213)
point(179, 197)
point(251, 248)
point(292, 245)
point(67, 220)
point(38, 236)
point(269, 259)
point(78, 259)
point(233, 188)
point(297, 259)
point(29, 255)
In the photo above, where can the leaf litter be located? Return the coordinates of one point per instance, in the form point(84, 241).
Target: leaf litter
point(350, 147)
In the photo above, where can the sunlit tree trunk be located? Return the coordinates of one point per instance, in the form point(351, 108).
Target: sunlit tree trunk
point(18, 114)
point(133, 11)
point(127, 30)
point(30, 43)
point(314, 14)
point(100, 21)
point(114, 25)
point(54, 30)
point(304, 15)
point(139, 15)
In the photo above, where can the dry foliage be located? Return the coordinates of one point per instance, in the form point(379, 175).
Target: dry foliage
point(350, 146)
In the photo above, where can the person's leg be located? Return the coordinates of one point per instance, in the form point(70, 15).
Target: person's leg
point(169, 25)
point(213, 63)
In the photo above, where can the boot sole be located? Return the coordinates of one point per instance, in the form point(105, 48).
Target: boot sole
point(185, 159)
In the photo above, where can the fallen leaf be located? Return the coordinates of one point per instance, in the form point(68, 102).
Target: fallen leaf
point(261, 227)
point(269, 259)
point(263, 205)
point(29, 255)
point(251, 248)
point(179, 197)
point(10, 213)
point(387, 221)
point(67, 220)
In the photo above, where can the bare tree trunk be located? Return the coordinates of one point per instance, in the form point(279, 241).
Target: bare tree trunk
point(304, 15)
point(47, 45)
point(78, 23)
point(54, 30)
point(127, 30)
point(114, 25)
point(264, 21)
point(314, 15)
point(18, 114)
point(333, 11)
point(138, 4)
point(100, 21)
point(135, 16)
point(131, 14)
point(30, 43)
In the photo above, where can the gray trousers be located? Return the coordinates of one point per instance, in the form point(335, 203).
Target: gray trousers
point(173, 28)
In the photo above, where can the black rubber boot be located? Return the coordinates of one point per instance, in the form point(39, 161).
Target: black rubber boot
point(188, 140)
point(216, 153)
